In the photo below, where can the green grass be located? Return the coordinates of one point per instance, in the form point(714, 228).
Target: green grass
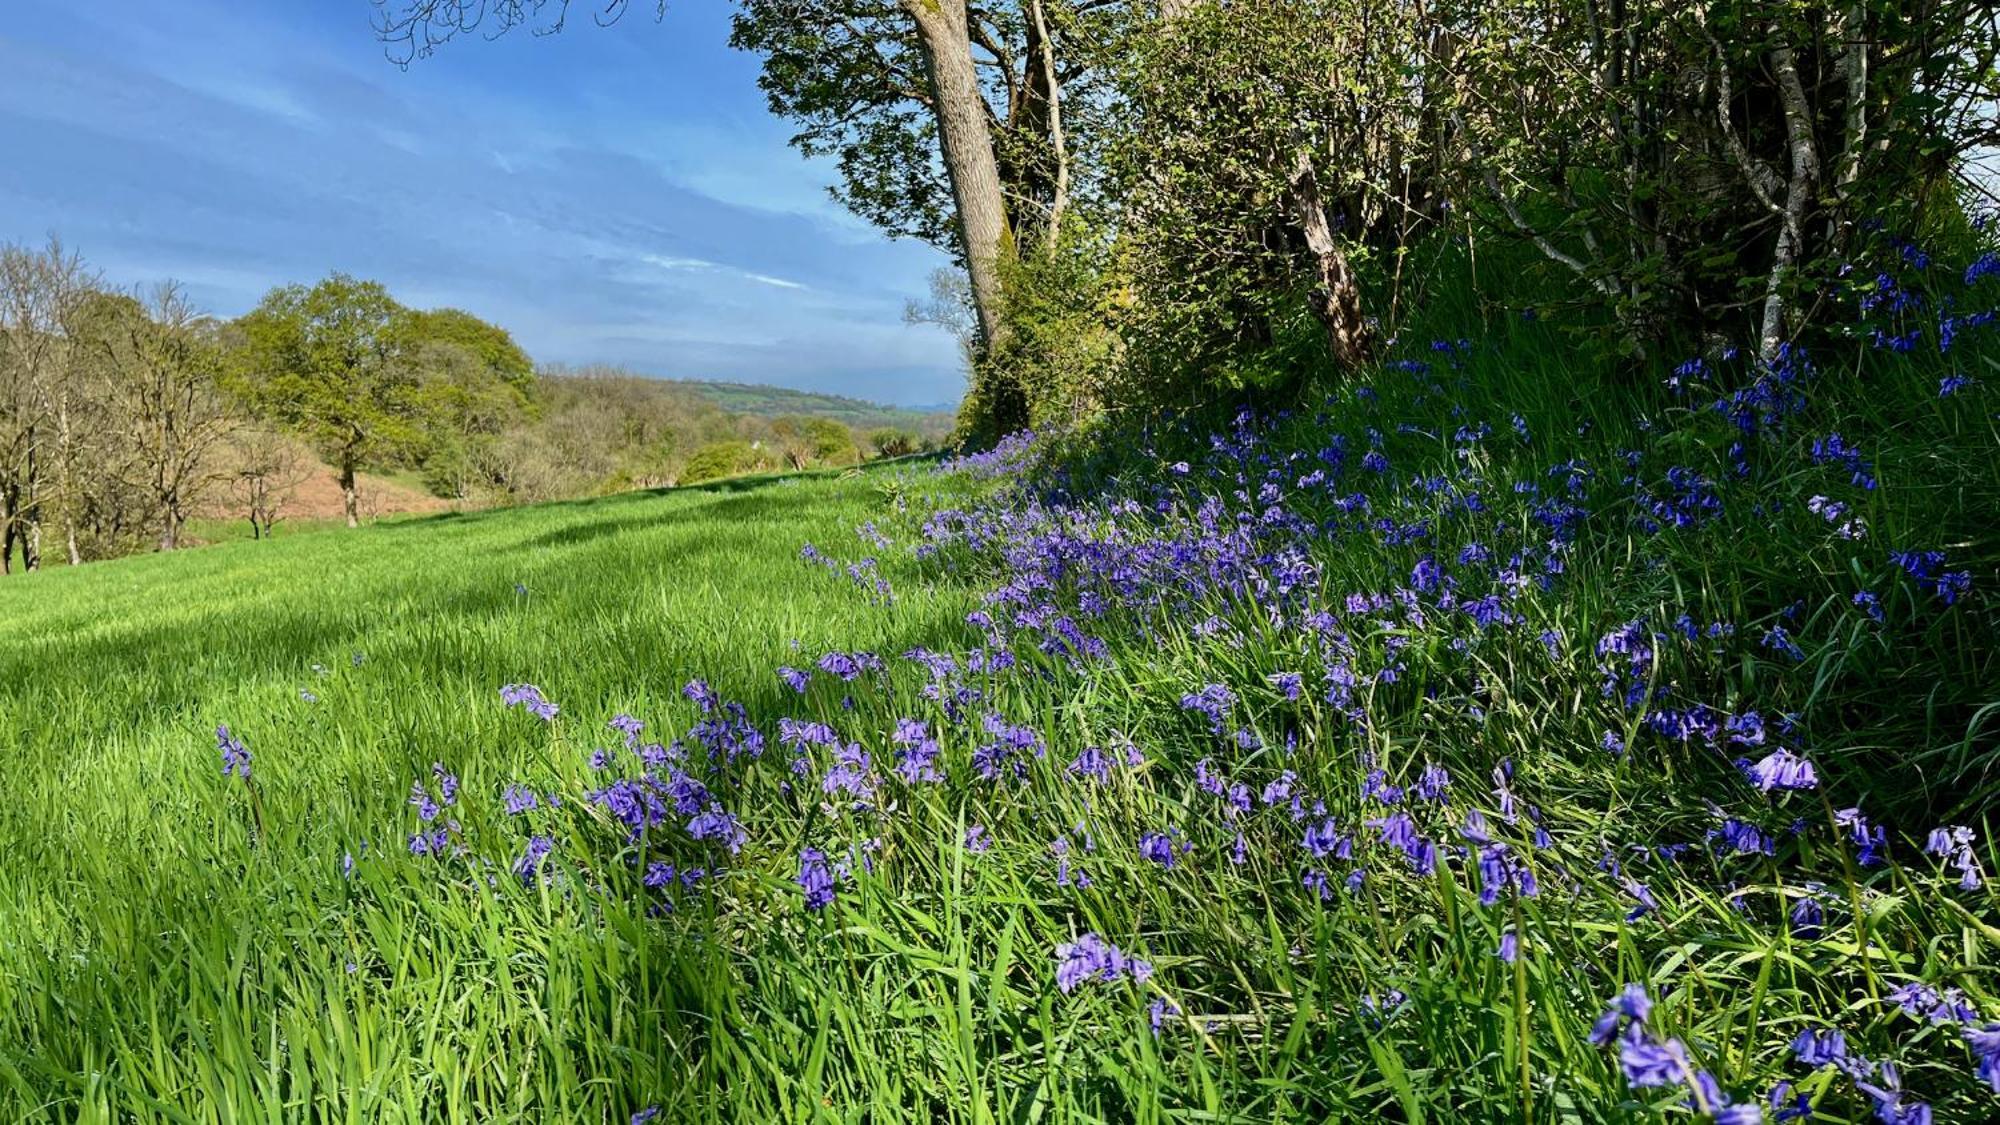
point(180, 946)
point(158, 957)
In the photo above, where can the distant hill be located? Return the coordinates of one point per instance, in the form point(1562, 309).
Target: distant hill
point(772, 402)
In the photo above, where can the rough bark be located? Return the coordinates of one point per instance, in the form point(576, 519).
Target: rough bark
point(1337, 302)
point(967, 144)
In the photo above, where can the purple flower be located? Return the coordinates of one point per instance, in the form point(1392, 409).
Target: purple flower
point(1782, 769)
point(718, 826)
point(795, 679)
point(530, 863)
point(1649, 1064)
point(1092, 959)
point(815, 879)
point(1808, 915)
point(1158, 847)
point(529, 697)
point(1159, 1011)
point(1510, 947)
point(1985, 1044)
point(235, 755)
point(977, 841)
point(1745, 838)
point(1213, 701)
point(1632, 1005)
point(520, 799)
point(1820, 1048)
point(1890, 1106)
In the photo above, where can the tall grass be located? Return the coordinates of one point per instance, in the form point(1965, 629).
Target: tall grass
point(179, 945)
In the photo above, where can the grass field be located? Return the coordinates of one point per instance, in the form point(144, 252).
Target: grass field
point(1508, 738)
point(165, 947)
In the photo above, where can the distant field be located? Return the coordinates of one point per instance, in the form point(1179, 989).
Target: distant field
point(771, 402)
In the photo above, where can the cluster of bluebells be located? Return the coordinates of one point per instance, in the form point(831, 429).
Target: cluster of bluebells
point(1218, 557)
point(1650, 1062)
point(1092, 960)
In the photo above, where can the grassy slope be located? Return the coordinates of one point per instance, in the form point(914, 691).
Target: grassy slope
point(175, 946)
point(136, 917)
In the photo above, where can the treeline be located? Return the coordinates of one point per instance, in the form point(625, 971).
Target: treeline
point(125, 414)
point(1160, 203)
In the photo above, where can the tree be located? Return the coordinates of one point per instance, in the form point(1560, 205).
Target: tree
point(473, 383)
point(164, 386)
point(892, 442)
point(41, 293)
point(948, 120)
point(1695, 165)
point(265, 470)
point(329, 362)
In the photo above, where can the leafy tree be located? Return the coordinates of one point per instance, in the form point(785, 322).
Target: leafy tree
point(717, 460)
point(329, 362)
point(474, 382)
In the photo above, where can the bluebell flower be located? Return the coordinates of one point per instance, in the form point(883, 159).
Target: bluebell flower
point(815, 879)
point(1782, 769)
point(235, 755)
point(529, 865)
point(1985, 1044)
point(1892, 1105)
point(1649, 1064)
point(1091, 959)
point(1158, 847)
point(529, 697)
point(1820, 1048)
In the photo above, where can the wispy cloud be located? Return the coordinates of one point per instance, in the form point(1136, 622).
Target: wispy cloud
point(614, 195)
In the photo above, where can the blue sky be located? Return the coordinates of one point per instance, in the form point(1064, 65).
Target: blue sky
point(608, 194)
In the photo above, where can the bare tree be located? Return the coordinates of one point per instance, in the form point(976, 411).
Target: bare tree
point(40, 293)
point(167, 398)
point(267, 468)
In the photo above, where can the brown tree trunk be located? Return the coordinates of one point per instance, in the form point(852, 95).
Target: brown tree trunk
point(967, 144)
point(1337, 301)
point(350, 496)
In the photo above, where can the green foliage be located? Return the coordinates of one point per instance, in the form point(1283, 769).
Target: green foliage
point(180, 947)
point(717, 460)
point(329, 362)
point(894, 443)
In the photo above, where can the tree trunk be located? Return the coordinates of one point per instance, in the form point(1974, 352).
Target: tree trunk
point(1338, 300)
point(1798, 193)
point(170, 529)
point(350, 497)
point(968, 153)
